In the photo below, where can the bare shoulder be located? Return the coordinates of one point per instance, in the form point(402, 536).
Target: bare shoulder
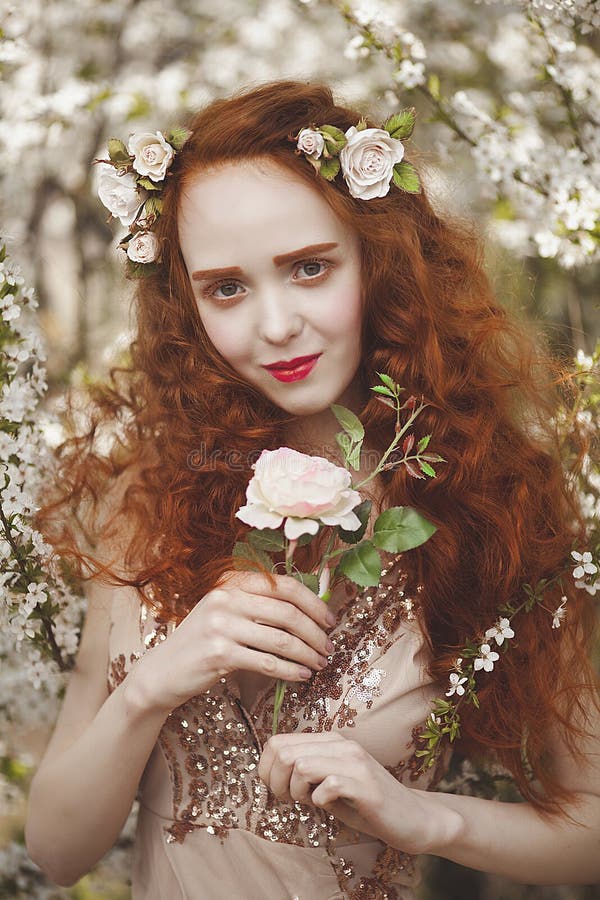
point(581, 774)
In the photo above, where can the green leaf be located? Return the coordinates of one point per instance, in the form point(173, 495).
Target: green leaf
point(336, 133)
point(349, 421)
point(433, 83)
point(148, 184)
point(329, 167)
point(423, 443)
point(118, 153)
point(153, 206)
point(389, 382)
point(363, 511)
point(401, 125)
point(306, 538)
point(380, 389)
point(353, 458)
point(425, 467)
point(335, 139)
point(266, 538)
point(177, 137)
point(361, 564)
point(361, 124)
point(247, 553)
point(307, 578)
point(406, 178)
point(345, 442)
point(141, 270)
point(401, 528)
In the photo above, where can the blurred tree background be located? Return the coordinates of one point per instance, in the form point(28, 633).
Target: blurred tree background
point(508, 132)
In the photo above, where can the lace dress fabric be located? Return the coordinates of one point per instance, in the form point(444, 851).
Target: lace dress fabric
point(209, 829)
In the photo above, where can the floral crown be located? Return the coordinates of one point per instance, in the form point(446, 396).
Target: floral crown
point(132, 179)
point(369, 158)
point(130, 184)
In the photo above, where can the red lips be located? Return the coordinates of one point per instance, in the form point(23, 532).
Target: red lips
point(291, 363)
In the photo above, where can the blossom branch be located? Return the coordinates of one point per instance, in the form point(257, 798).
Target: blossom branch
point(46, 622)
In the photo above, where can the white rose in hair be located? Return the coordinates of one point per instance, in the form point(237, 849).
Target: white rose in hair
point(305, 490)
point(311, 142)
point(368, 160)
point(152, 154)
point(119, 193)
point(143, 247)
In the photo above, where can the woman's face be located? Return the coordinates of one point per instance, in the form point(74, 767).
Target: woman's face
point(276, 277)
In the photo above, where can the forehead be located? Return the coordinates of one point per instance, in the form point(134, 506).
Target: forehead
point(257, 199)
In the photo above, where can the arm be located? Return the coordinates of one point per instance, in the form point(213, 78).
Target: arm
point(86, 783)
point(509, 839)
point(84, 788)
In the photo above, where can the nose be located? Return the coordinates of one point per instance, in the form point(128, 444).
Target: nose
point(279, 318)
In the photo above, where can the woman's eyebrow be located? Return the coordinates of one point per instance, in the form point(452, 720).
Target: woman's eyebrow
point(280, 260)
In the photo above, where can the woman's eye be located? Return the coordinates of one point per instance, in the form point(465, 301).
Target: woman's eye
point(228, 290)
point(313, 268)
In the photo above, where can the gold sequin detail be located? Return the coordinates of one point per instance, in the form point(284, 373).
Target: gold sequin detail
point(332, 697)
point(212, 745)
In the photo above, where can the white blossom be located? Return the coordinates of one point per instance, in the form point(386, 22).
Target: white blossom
point(586, 566)
point(500, 631)
point(559, 613)
point(486, 659)
point(456, 684)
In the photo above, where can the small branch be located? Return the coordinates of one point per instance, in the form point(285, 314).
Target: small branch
point(565, 93)
point(46, 622)
point(441, 108)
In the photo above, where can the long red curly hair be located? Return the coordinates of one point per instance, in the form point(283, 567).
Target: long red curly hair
point(505, 511)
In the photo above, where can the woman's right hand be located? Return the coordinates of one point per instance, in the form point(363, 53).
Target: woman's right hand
point(242, 623)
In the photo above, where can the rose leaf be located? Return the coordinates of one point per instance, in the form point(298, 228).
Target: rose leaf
point(406, 178)
point(117, 152)
point(401, 125)
point(361, 564)
point(265, 538)
point(329, 168)
point(349, 421)
point(401, 528)
point(247, 553)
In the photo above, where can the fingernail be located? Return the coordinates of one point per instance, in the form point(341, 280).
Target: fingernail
point(330, 646)
point(305, 674)
point(323, 661)
point(331, 618)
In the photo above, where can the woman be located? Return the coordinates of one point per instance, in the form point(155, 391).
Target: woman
point(259, 255)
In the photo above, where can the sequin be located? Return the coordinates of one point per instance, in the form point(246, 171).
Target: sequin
point(212, 744)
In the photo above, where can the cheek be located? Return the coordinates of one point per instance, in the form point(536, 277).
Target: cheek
point(226, 335)
point(344, 311)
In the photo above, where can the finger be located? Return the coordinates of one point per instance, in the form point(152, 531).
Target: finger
point(284, 615)
point(256, 661)
point(278, 743)
point(310, 771)
point(335, 787)
point(278, 642)
point(288, 588)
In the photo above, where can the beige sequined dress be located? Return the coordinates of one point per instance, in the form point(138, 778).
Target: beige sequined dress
point(209, 829)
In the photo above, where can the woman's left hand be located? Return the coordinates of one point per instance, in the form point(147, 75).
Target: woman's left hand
point(334, 772)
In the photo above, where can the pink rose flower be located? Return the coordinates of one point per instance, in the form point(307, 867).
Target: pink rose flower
point(304, 490)
point(368, 161)
point(311, 142)
point(143, 247)
point(152, 154)
point(119, 193)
